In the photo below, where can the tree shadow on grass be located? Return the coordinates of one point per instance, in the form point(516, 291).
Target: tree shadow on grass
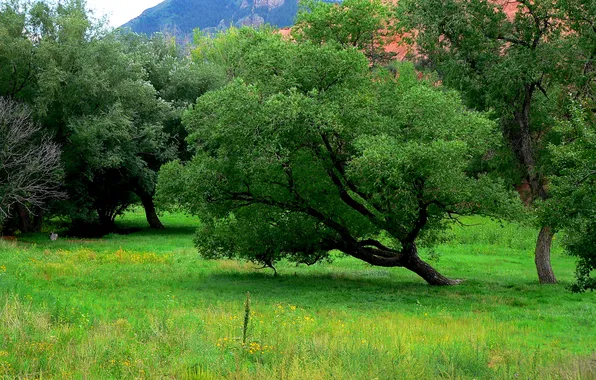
point(42, 240)
point(168, 231)
point(353, 291)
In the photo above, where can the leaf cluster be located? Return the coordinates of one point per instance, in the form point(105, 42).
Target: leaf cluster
point(574, 191)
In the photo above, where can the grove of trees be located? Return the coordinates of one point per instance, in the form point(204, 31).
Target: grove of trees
point(291, 147)
point(112, 102)
point(529, 68)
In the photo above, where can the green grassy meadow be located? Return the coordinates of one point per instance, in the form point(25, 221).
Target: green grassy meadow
point(145, 305)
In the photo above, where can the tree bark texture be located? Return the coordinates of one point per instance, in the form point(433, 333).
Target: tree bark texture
point(408, 258)
point(150, 212)
point(542, 256)
point(522, 142)
point(428, 273)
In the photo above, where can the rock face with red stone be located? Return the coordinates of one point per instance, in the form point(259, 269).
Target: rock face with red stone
point(181, 17)
point(400, 50)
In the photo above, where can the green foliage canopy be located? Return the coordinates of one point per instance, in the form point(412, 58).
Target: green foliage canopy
point(113, 100)
point(572, 206)
point(305, 151)
point(522, 64)
point(363, 24)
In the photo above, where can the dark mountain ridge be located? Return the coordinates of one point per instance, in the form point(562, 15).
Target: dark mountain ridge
point(181, 17)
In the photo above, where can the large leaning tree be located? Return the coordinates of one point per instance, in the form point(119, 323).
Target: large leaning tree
point(29, 162)
point(517, 60)
point(307, 152)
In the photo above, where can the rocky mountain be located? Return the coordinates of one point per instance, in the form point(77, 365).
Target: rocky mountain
point(181, 17)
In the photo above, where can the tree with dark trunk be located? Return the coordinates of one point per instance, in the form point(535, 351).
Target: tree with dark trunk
point(307, 151)
point(112, 100)
point(24, 221)
point(518, 60)
point(177, 80)
point(150, 213)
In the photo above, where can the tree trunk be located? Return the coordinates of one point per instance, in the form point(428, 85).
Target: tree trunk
point(408, 258)
point(24, 219)
point(428, 273)
point(414, 263)
point(150, 212)
point(542, 256)
point(106, 224)
point(38, 220)
point(523, 144)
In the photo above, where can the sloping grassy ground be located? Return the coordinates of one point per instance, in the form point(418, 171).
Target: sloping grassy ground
point(146, 306)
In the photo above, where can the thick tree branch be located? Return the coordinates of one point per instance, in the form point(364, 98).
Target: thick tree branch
point(247, 199)
point(373, 243)
point(339, 167)
point(422, 218)
point(343, 188)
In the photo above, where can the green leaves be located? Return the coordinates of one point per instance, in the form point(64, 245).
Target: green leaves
point(520, 62)
point(360, 24)
point(113, 100)
point(307, 150)
point(574, 191)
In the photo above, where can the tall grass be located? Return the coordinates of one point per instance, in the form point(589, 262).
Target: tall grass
point(479, 231)
point(145, 306)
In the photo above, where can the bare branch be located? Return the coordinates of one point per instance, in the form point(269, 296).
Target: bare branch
point(29, 161)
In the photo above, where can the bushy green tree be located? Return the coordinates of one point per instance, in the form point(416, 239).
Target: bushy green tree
point(17, 54)
point(518, 65)
point(364, 24)
point(112, 100)
point(305, 151)
point(176, 77)
point(108, 117)
point(573, 205)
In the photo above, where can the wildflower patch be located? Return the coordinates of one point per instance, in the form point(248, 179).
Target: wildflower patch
point(121, 256)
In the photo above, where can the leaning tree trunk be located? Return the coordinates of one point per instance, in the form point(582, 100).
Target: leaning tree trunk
point(428, 273)
point(408, 258)
point(414, 263)
point(542, 256)
point(150, 212)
